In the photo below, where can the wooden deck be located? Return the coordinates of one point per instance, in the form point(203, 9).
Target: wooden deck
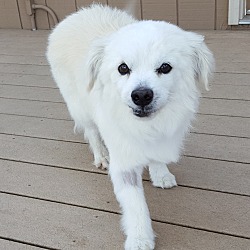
point(52, 197)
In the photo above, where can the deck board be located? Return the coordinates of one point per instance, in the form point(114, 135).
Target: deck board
point(25, 69)
point(31, 93)
point(228, 126)
point(53, 197)
point(23, 59)
point(27, 80)
point(231, 92)
point(234, 108)
point(33, 108)
point(218, 147)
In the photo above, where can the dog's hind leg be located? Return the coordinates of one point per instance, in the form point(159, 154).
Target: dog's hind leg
point(97, 146)
point(161, 176)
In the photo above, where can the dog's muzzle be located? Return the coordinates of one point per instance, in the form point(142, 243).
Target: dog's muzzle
point(142, 98)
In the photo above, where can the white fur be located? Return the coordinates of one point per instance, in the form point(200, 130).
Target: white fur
point(84, 52)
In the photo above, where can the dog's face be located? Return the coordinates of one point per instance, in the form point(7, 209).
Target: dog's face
point(149, 62)
point(143, 71)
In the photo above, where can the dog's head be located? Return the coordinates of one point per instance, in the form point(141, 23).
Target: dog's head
point(150, 64)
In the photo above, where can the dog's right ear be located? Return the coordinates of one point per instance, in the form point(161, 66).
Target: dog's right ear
point(94, 61)
point(203, 60)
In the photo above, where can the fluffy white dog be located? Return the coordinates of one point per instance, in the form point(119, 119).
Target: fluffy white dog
point(131, 87)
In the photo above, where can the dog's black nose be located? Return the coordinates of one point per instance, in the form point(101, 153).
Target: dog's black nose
point(142, 96)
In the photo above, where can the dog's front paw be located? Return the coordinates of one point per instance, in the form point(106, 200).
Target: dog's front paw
point(165, 181)
point(102, 163)
point(139, 244)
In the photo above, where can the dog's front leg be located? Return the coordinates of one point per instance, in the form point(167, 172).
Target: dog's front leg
point(136, 220)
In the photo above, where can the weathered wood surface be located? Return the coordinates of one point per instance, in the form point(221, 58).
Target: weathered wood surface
point(187, 14)
point(52, 197)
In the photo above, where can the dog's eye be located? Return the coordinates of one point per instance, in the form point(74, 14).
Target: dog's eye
point(124, 69)
point(164, 69)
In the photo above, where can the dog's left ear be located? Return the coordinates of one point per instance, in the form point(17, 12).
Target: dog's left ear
point(94, 61)
point(203, 60)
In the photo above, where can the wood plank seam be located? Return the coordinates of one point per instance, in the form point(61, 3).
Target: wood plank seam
point(28, 86)
point(238, 116)
point(12, 73)
point(57, 139)
point(63, 119)
point(222, 98)
point(19, 14)
point(230, 136)
point(32, 100)
point(55, 166)
point(59, 119)
point(84, 143)
point(215, 159)
point(27, 243)
point(45, 138)
point(226, 72)
point(35, 100)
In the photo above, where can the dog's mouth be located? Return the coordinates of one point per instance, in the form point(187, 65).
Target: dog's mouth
point(143, 111)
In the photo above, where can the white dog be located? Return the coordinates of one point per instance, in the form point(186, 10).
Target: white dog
point(131, 87)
